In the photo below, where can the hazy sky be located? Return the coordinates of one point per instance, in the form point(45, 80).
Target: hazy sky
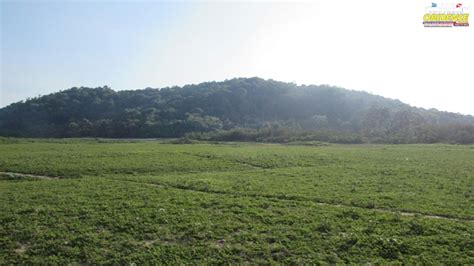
point(376, 46)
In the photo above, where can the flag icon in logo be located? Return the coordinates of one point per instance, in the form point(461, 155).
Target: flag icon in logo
point(458, 5)
point(434, 5)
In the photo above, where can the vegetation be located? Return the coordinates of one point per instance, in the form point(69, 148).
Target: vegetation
point(238, 109)
point(130, 201)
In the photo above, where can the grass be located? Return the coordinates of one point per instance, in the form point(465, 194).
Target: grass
point(123, 202)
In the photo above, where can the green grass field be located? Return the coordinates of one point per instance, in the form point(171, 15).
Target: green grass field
point(124, 202)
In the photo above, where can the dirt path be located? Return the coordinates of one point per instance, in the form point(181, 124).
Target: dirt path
point(18, 175)
point(381, 210)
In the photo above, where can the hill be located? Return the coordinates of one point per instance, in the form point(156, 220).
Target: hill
point(242, 106)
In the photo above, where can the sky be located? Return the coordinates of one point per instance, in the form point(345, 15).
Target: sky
point(377, 46)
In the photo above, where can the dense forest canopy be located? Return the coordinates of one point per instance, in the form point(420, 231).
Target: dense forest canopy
point(241, 108)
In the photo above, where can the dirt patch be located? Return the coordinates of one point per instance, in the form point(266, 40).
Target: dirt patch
point(22, 248)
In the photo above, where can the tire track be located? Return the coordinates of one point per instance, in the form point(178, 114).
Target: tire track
point(303, 199)
point(19, 175)
point(275, 197)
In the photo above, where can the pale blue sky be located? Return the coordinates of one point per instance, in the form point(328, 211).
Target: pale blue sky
point(51, 46)
point(376, 46)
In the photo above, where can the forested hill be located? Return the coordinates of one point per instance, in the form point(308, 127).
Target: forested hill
point(244, 103)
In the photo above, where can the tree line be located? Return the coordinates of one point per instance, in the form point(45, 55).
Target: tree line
point(238, 109)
